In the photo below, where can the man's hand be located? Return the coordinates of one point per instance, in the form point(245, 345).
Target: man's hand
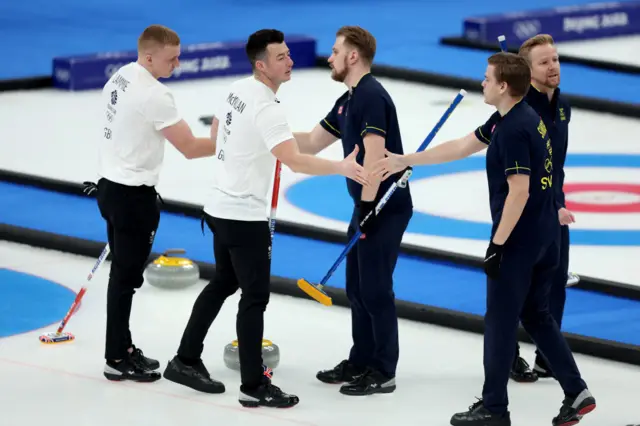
point(492, 260)
point(566, 217)
point(393, 163)
point(352, 170)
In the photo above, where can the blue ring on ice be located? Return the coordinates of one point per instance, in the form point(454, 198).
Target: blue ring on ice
point(327, 196)
point(28, 302)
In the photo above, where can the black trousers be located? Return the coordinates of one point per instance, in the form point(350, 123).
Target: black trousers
point(369, 285)
point(132, 216)
point(522, 294)
point(242, 257)
point(558, 292)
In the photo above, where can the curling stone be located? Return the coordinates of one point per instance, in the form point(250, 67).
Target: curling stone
point(270, 355)
point(172, 272)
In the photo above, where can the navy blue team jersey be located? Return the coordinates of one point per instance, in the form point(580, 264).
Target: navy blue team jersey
point(368, 108)
point(556, 115)
point(519, 143)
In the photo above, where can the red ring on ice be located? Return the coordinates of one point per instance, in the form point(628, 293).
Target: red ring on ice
point(625, 188)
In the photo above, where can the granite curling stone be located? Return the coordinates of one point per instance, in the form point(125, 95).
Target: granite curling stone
point(172, 272)
point(270, 355)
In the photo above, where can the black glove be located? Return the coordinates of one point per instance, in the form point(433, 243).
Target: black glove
point(492, 260)
point(365, 208)
point(89, 187)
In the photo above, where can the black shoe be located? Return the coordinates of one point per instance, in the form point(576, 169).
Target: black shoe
point(520, 372)
point(129, 370)
point(541, 368)
point(146, 363)
point(372, 381)
point(195, 377)
point(341, 373)
point(480, 416)
point(266, 395)
point(573, 409)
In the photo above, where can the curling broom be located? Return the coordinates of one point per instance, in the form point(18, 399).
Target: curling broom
point(572, 278)
point(59, 336)
point(316, 291)
point(274, 200)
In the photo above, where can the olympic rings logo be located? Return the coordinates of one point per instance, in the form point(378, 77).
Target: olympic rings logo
point(526, 29)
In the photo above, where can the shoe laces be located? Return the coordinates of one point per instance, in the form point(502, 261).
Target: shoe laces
point(521, 364)
point(476, 405)
point(137, 352)
point(342, 366)
point(368, 372)
point(273, 390)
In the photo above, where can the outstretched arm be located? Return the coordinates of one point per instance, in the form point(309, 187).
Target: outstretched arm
point(182, 138)
point(314, 141)
point(452, 150)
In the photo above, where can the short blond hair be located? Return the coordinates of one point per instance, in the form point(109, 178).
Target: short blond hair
point(537, 40)
point(361, 40)
point(157, 35)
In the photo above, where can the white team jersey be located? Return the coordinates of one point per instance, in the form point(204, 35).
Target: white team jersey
point(136, 107)
point(252, 122)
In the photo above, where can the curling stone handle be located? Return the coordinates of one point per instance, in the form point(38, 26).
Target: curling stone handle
point(173, 251)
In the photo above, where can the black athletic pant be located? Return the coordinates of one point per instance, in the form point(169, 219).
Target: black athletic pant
point(132, 216)
point(558, 293)
point(369, 284)
point(522, 294)
point(242, 257)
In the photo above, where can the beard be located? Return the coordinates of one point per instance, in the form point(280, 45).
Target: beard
point(552, 82)
point(340, 76)
point(549, 82)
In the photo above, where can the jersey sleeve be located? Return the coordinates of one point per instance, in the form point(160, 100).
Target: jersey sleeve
point(330, 121)
point(374, 117)
point(272, 125)
point(483, 132)
point(515, 153)
point(162, 111)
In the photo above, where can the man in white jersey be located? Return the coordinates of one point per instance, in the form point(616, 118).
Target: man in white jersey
point(253, 133)
point(139, 114)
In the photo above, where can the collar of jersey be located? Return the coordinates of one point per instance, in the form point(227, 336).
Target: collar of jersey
point(537, 96)
point(363, 79)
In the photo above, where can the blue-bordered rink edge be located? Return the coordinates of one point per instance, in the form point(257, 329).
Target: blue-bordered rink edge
point(318, 196)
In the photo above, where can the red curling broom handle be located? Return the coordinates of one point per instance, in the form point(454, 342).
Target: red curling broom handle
point(274, 199)
point(83, 290)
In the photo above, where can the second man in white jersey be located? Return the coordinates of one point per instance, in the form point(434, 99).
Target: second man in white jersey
point(252, 134)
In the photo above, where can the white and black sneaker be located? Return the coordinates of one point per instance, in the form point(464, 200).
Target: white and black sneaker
point(129, 370)
point(574, 409)
point(372, 381)
point(266, 395)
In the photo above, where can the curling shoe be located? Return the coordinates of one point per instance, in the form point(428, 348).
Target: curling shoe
point(266, 395)
point(480, 416)
point(520, 372)
point(341, 373)
point(129, 370)
point(194, 376)
point(574, 409)
point(541, 368)
point(144, 362)
point(370, 382)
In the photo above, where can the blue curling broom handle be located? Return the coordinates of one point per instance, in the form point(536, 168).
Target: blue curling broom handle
point(402, 182)
point(503, 42)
